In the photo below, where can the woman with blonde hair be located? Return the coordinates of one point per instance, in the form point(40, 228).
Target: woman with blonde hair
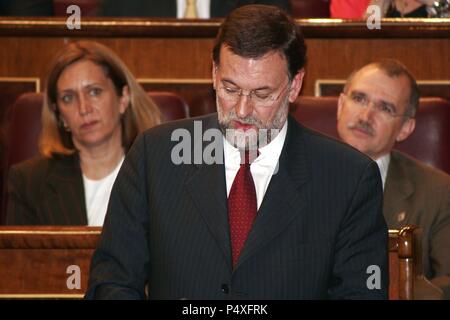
point(93, 110)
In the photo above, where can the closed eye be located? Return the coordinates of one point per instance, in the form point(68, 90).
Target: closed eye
point(231, 90)
point(261, 95)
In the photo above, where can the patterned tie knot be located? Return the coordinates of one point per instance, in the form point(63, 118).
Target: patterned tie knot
point(248, 156)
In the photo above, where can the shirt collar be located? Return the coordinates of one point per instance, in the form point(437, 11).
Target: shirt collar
point(268, 155)
point(383, 165)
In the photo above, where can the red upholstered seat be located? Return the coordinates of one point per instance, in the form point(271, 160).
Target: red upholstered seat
point(430, 142)
point(310, 8)
point(171, 105)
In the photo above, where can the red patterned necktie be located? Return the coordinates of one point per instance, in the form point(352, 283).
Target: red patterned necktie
point(242, 207)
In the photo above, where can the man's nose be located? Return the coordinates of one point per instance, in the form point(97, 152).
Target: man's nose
point(244, 106)
point(367, 112)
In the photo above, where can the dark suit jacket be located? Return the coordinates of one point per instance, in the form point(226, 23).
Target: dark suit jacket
point(26, 8)
point(416, 194)
point(168, 8)
point(319, 228)
point(44, 191)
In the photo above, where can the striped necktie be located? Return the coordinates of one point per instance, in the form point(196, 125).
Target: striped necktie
point(191, 9)
point(242, 207)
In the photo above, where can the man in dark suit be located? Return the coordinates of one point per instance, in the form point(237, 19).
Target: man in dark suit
point(301, 221)
point(376, 110)
point(168, 8)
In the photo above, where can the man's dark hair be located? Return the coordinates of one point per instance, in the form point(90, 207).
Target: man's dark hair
point(255, 30)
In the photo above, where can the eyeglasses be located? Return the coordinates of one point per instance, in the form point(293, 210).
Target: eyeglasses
point(384, 110)
point(262, 100)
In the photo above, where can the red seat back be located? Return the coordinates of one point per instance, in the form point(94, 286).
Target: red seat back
point(430, 141)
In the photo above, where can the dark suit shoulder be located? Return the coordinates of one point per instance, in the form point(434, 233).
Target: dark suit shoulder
point(334, 150)
point(39, 166)
point(33, 167)
point(168, 134)
point(329, 162)
point(167, 128)
point(419, 171)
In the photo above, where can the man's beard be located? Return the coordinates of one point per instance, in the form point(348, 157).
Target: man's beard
point(251, 139)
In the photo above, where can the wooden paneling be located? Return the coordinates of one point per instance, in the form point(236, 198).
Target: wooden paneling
point(146, 58)
point(427, 59)
point(34, 261)
point(178, 49)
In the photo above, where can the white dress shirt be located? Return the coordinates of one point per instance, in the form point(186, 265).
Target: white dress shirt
point(96, 194)
point(202, 8)
point(262, 168)
point(383, 165)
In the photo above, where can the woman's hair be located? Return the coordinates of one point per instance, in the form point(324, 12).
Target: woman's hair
point(141, 114)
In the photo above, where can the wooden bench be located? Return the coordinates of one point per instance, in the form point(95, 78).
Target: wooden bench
point(37, 262)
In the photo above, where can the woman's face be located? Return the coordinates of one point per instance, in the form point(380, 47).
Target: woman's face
point(89, 105)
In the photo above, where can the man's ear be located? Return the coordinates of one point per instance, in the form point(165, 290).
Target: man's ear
point(340, 105)
point(407, 128)
point(296, 85)
point(214, 74)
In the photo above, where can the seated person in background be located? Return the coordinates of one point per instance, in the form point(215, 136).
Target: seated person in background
point(180, 8)
point(301, 221)
point(403, 8)
point(348, 9)
point(376, 110)
point(93, 110)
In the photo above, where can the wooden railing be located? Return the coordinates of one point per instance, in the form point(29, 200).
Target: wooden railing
point(44, 262)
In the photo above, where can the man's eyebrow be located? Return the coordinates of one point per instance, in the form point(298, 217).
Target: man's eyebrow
point(231, 82)
point(359, 93)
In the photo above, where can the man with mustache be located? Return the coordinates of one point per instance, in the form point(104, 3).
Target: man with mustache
point(376, 110)
point(301, 221)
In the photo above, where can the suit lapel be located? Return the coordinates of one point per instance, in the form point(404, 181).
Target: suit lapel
point(220, 8)
point(159, 8)
point(207, 187)
point(285, 198)
point(397, 190)
point(66, 191)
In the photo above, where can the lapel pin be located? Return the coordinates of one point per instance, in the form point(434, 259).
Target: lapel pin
point(401, 216)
